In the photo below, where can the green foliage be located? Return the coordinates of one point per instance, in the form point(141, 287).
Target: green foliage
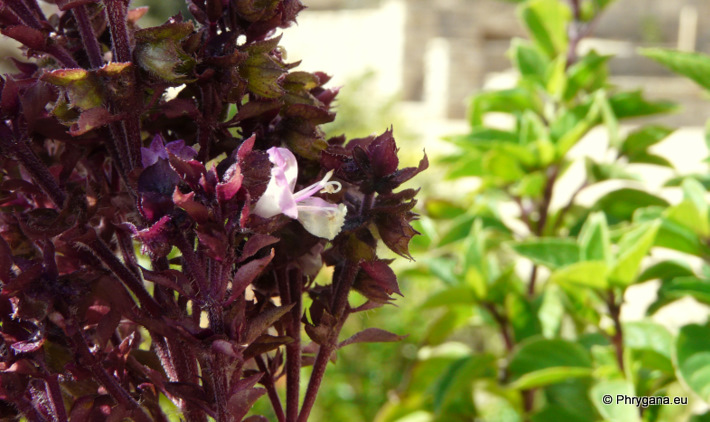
point(530, 300)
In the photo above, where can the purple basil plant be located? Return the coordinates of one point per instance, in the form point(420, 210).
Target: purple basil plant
point(158, 243)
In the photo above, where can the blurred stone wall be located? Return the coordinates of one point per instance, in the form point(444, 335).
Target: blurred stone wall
point(451, 47)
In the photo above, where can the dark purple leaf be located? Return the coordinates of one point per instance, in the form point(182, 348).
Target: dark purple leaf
point(180, 150)
point(264, 344)
point(232, 183)
point(383, 155)
point(158, 178)
point(239, 404)
point(255, 243)
point(396, 232)
point(215, 241)
point(65, 5)
point(246, 274)
point(92, 119)
point(157, 237)
point(180, 108)
point(172, 279)
point(372, 335)
point(194, 209)
point(383, 275)
point(246, 383)
point(30, 37)
point(6, 262)
point(263, 320)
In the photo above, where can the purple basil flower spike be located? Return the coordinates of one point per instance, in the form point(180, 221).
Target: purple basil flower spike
point(319, 217)
point(158, 149)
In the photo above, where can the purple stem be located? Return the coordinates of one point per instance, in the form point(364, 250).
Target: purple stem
point(25, 15)
point(116, 15)
point(293, 350)
point(217, 363)
point(125, 275)
point(132, 126)
point(344, 283)
point(34, 7)
point(110, 384)
point(91, 44)
point(55, 395)
point(62, 56)
point(39, 172)
point(503, 325)
point(25, 407)
point(193, 266)
point(125, 243)
point(268, 382)
point(618, 338)
point(204, 130)
point(290, 292)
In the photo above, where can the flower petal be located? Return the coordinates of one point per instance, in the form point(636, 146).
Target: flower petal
point(321, 218)
point(150, 155)
point(286, 161)
point(278, 197)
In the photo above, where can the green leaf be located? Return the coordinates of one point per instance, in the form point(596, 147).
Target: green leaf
point(546, 22)
point(522, 315)
point(460, 228)
point(515, 100)
point(451, 320)
point(695, 66)
point(452, 296)
point(550, 252)
point(443, 209)
point(692, 358)
point(531, 185)
point(551, 311)
point(587, 74)
point(469, 165)
point(666, 270)
point(639, 140)
point(594, 240)
point(614, 412)
point(528, 59)
point(567, 401)
point(646, 158)
point(556, 77)
point(483, 136)
point(599, 172)
point(585, 273)
point(697, 288)
point(554, 412)
point(632, 104)
point(82, 86)
point(619, 205)
point(443, 269)
point(532, 128)
point(582, 124)
point(502, 166)
point(158, 51)
point(645, 335)
point(549, 376)
point(537, 354)
point(692, 212)
point(633, 246)
point(671, 234)
point(458, 378)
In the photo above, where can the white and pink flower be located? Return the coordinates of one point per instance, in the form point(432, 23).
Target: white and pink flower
point(319, 217)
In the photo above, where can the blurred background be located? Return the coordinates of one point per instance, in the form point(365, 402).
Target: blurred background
point(414, 64)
